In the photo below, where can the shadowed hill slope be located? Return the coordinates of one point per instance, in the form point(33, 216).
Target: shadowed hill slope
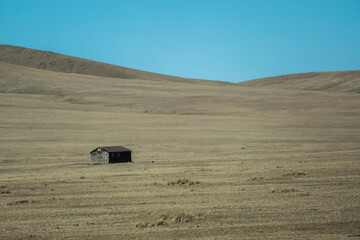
point(62, 63)
point(340, 81)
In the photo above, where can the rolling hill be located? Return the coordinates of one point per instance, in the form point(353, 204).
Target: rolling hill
point(342, 81)
point(51, 61)
point(339, 81)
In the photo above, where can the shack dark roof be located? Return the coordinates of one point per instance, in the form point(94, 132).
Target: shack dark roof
point(112, 149)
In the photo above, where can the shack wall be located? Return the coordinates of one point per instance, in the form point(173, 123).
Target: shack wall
point(119, 157)
point(99, 157)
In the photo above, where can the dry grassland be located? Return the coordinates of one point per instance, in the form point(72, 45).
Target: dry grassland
point(211, 160)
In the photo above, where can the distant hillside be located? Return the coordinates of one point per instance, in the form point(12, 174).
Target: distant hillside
point(341, 81)
point(62, 63)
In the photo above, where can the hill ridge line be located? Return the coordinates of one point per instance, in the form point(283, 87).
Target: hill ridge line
point(57, 62)
point(334, 81)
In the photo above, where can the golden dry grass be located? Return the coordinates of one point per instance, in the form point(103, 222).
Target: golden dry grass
point(271, 163)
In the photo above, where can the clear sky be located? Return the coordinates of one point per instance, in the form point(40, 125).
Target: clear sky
point(219, 40)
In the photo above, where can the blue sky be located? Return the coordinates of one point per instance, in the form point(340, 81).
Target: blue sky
point(218, 40)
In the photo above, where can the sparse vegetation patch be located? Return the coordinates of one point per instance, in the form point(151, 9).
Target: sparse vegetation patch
point(167, 219)
point(183, 182)
point(256, 179)
point(20, 202)
point(289, 190)
point(294, 174)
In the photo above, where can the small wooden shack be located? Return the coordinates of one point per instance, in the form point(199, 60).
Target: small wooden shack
point(111, 154)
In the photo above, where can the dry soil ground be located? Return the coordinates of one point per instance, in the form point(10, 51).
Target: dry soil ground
point(211, 160)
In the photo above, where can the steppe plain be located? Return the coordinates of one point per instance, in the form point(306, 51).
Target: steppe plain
point(212, 160)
